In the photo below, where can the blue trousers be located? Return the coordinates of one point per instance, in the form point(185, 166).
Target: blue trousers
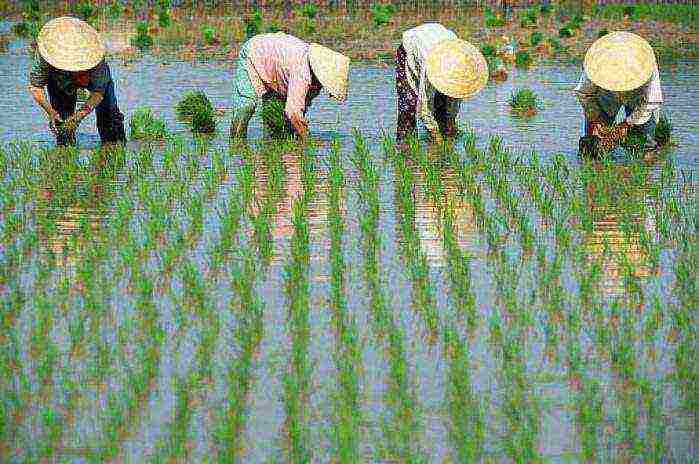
point(110, 121)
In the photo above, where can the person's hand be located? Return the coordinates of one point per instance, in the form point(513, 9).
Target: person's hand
point(54, 120)
point(71, 124)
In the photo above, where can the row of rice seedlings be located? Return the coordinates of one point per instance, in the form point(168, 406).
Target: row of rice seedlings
point(509, 327)
point(683, 313)
point(467, 428)
point(19, 242)
point(347, 418)
point(423, 300)
point(402, 424)
point(297, 377)
point(249, 310)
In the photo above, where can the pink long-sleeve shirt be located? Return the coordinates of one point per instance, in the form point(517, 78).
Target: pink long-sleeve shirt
point(279, 62)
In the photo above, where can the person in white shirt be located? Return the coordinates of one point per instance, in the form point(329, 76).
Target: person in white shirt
point(620, 70)
point(435, 70)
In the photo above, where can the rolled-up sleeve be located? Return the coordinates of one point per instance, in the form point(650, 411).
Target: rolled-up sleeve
point(651, 100)
point(38, 72)
point(298, 86)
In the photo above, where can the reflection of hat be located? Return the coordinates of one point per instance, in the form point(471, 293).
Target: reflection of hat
point(620, 61)
point(70, 44)
point(331, 68)
point(456, 68)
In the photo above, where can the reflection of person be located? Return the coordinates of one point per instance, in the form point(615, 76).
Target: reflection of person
point(606, 228)
point(282, 66)
point(70, 56)
point(427, 219)
point(620, 70)
point(434, 71)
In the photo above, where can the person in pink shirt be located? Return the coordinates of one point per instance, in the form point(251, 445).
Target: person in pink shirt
point(285, 67)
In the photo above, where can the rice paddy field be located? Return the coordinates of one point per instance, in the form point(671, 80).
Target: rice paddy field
point(498, 299)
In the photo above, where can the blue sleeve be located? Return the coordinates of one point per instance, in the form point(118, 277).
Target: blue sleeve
point(100, 77)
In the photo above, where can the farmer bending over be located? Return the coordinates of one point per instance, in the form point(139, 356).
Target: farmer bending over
point(282, 66)
point(620, 70)
point(71, 56)
point(434, 71)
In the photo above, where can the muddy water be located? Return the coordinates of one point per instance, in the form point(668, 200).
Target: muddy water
point(371, 109)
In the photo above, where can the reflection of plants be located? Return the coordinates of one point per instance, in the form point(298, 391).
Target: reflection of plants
point(309, 10)
point(524, 102)
point(493, 19)
point(145, 126)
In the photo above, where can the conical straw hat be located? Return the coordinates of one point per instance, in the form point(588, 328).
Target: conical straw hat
point(331, 68)
point(620, 61)
point(70, 44)
point(456, 68)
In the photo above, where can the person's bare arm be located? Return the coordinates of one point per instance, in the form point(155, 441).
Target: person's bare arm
point(300, 124)
point(94, 100)
point(40, 98)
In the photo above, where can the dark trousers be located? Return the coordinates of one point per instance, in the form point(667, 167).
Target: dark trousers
point(110, 121)
point(407, 103)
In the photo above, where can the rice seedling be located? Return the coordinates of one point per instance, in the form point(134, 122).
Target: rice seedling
point(493, 19)
point(523, 59)
point(488, 50)
point(663, 130)
point(85, 11)
point(253, 23)
point(529, 18)
point(535, 38)
point(142, 40)
point(308, 10)
point(524, 102)
point(204, 121)
point(115, 10)
point(276, 123)
point(144, 125)
point(566, 32)
point(381, 14)
point(209, 35)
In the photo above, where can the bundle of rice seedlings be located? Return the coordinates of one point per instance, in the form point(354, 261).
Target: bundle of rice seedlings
point(524, 102)
point(523, 59)
point(275, 120)
point(191, 104)
point(203, 120)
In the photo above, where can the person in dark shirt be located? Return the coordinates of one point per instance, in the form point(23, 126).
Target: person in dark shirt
point(70, 56)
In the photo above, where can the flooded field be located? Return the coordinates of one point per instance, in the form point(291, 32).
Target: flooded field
point(501, 300)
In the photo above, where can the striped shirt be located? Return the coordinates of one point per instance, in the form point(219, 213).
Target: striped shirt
point(417, 43)
point(279, 62)
point(645, 101)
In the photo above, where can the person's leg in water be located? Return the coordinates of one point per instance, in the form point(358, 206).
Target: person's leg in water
point(406, 101)
point(110, 120)
point(64, 104)
point(244, 97)
point(446, 121)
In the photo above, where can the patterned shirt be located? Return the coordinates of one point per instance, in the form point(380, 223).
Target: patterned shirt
point(279, 62)
point(645, 100)
point(41, 72)
point(417, 43)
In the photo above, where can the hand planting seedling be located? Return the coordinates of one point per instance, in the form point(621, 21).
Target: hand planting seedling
point(274, 119)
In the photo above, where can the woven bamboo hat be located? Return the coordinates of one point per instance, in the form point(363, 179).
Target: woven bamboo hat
point(70, 44)
point(620, 61)
point(456, 68)
point(331, 68)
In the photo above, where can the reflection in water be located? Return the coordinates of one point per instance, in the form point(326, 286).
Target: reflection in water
point(62, 242)
point(610, 244)
point(281, 224)
point(428, 221)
